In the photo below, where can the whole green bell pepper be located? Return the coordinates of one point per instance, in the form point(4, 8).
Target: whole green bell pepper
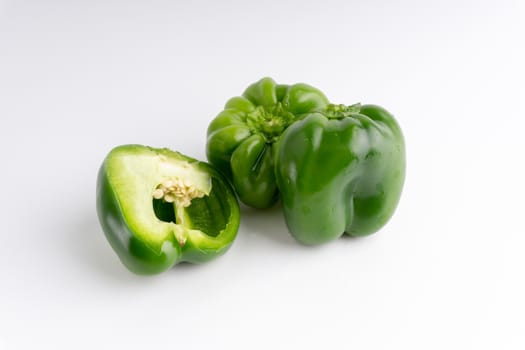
point(340, 171)
point(158, 208)
point(241, 139)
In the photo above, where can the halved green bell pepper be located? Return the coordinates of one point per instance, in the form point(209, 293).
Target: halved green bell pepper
point(158, 208)
point(241, 139)
point(340, 171)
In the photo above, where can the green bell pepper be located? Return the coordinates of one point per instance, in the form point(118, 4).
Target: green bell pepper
point(241, 139)
point(340, 171)
point(158, 208)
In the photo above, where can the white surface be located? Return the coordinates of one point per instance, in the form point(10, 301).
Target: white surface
point(447, 272)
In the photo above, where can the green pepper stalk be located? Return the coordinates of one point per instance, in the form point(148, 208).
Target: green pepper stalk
point(241, 139)
point(158, 208)
point(340, 171)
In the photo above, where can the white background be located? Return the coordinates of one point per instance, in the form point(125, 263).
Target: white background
point(80, 77)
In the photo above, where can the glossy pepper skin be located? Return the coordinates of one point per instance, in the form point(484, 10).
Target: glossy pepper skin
point(340, 171)
point(158, 208)
point(241, 139)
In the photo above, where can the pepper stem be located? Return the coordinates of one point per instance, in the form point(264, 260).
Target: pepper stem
point(340, 111)
point(270, 121)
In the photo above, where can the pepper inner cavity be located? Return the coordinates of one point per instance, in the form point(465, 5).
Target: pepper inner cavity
point(171, 197)
point(164, 211)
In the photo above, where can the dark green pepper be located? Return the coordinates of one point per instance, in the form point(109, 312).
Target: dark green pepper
point(158, 208)
point(340, 171)
point(241, 139)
